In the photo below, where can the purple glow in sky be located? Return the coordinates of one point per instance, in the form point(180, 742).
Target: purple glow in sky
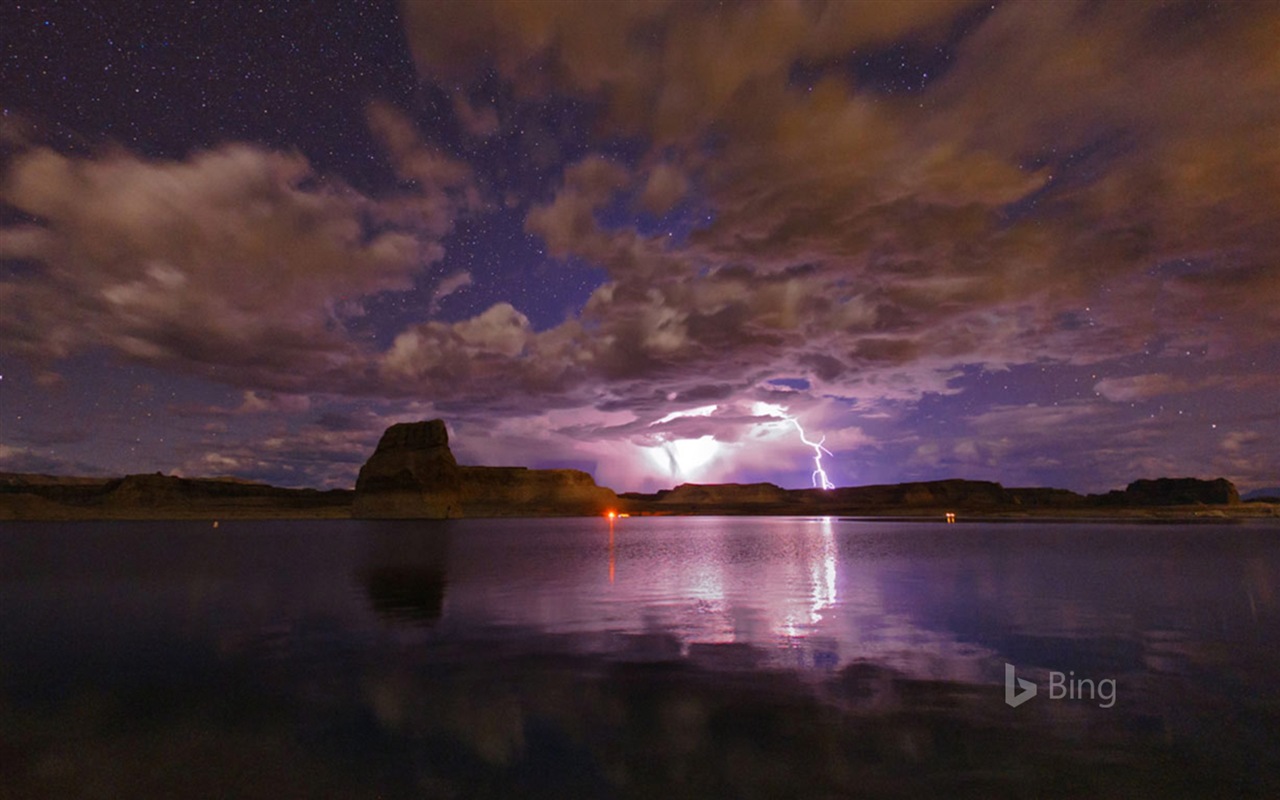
point(1027, 242)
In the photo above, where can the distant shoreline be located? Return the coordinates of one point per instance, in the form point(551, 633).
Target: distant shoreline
point(165, 497)
point(25, 507)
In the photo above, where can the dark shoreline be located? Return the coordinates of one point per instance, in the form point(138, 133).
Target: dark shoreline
point(162, 497)
point(1159, 515)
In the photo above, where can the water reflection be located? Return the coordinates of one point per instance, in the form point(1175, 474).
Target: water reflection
point(824, 586)
point(407, 573)
point(785, 586)
point(612, 554)
point(682, 658)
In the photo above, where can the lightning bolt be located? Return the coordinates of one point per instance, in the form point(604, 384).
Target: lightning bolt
point(819, 474)
point(820, 479)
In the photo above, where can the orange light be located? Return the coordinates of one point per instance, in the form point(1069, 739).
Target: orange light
point(611, 514)
point(620, 516)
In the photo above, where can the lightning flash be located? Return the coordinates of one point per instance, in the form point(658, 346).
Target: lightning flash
point(819, 474)
point(820, 479)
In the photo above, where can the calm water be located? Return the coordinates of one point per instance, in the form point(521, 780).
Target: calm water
point(678, 657)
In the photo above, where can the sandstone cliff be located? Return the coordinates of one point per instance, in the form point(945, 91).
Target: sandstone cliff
point(414, 475)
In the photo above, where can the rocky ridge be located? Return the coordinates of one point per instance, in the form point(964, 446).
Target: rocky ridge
point(413, 474)
point(913, 498)
point(158, 496)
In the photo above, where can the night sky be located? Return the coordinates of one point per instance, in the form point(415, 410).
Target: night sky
point(1032, 242)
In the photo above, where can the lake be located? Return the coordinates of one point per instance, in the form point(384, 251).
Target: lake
point(648, 657)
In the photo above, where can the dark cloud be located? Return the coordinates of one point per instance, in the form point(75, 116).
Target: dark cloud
point(899, 215)
point(476, 120)
point(668, 69)
point(27, 460)
point(70, 434)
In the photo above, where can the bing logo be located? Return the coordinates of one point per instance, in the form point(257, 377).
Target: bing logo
point(1061, 687)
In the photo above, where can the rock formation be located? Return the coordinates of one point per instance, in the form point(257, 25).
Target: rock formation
point(1174, 492)
point(920, 494)
point(521, 492)
point(715, 494)
point(413, 475)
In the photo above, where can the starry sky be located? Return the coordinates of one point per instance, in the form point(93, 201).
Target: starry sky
point(1029, 242)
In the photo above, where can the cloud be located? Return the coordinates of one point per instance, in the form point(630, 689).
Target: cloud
point(665, 186)
point(19, 459)
point(443, 186)
point(664, 68)
point(263, 402)
point(1015, 209)
point(70, 433)
point(494, 360)
point(1247, 457)
point(239, 259)
point(1076, 184)
point(1236, 441)
point(872, 243)
point(321, 447)
point(1032, 419)
point(481, 121)
point(1141, 387)
point(449, 285)
point(629, 452)
point(568, 223)
point(181, 261)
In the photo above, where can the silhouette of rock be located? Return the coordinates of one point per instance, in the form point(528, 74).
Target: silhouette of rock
point(518, 491)
point(720, 493)
point(953, 494)
point(766, 498)
point(152, 490)
point(1175, 492)
point(927, 497)
point(414, 475)
point(159, 496)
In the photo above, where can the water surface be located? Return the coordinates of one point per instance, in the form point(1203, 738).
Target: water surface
point(672, 657)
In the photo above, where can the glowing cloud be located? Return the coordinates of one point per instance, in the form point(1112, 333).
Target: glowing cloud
point(702, 411)
point(684, 459)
